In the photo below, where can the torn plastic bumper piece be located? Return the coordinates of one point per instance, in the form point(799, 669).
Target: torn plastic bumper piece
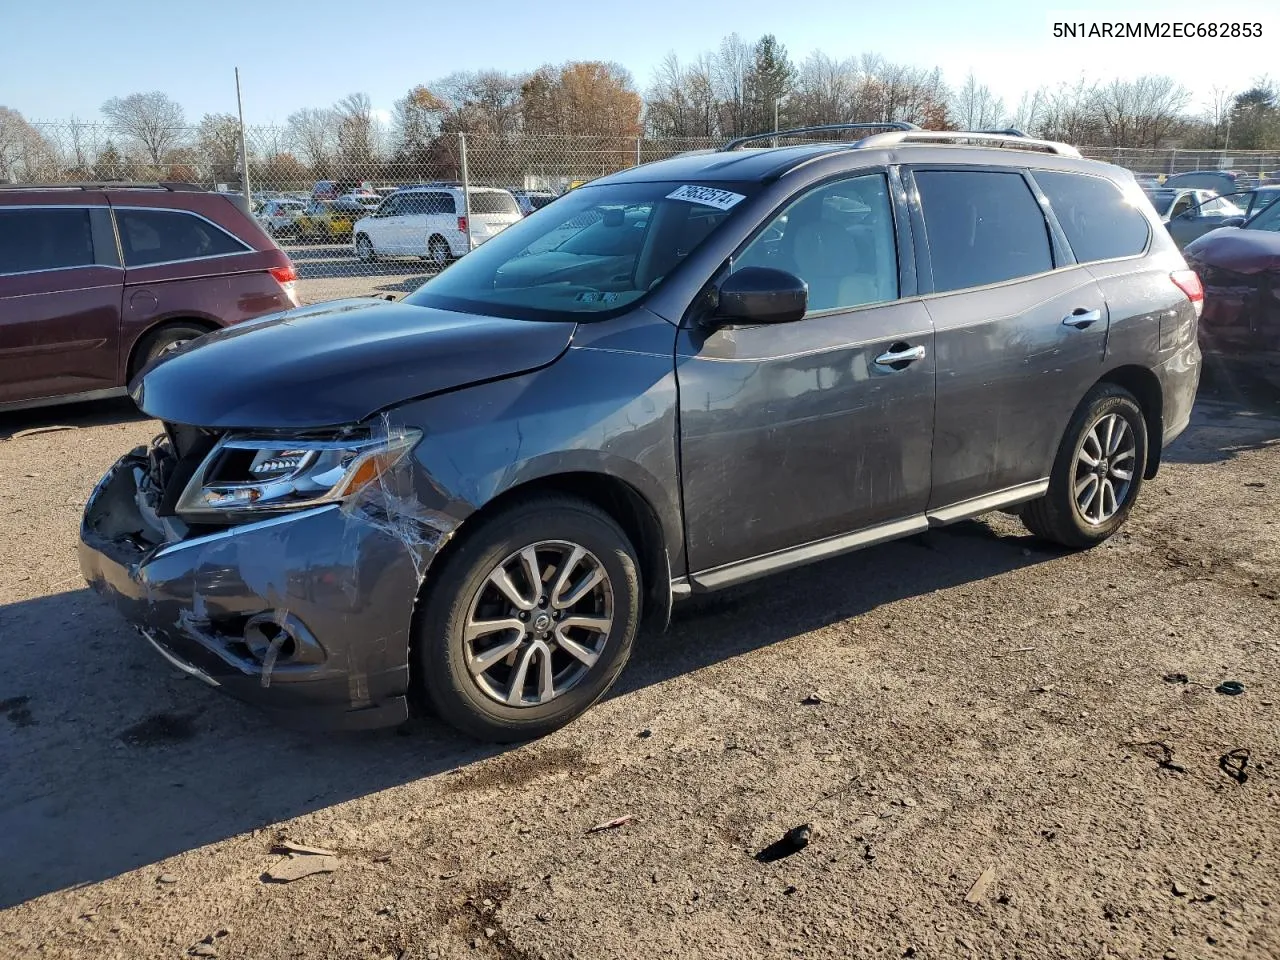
point(306, 614)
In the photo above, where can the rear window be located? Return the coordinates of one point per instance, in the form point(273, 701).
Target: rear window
point(46, 239)
point(163, 236)
point(1098, 219)
point(486, 202)
point(982, 228)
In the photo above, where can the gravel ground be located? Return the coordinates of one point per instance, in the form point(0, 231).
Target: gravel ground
point(979, 730)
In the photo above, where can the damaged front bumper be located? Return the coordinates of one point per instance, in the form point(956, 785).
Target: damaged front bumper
point(306, 614)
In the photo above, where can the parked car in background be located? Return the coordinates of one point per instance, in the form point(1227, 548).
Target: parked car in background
point(531, 200)
point(430, 222)
point(333, 189)
point(479, 493)
point(280, 217)
point(1222, 182)
point(1194, 212)
point(1240, 270)
point(1173, 201)
point(329, 221)
point(82, 312)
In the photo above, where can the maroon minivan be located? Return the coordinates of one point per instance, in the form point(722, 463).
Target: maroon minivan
point(97, 280)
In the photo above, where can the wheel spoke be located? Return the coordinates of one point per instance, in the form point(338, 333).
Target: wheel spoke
point(585, 586)
point(503, 582)
point(1109, 432)
point(516, 692)
point(1123, 455)
point(1083, 485)
point(598, 624)
point(1109, 504)
point(1121, 474)
point(1088, 456)
point(1089, 495)
point(546, 678)
point(565, 572)
point(530, 558)
point(1121, 430)
point(482, 628)
point(575, 649)
point(480, 662)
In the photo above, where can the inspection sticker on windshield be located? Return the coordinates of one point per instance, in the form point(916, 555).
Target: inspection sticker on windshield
point(721, 199)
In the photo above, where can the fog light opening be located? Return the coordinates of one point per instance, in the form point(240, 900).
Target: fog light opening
point(264, 632)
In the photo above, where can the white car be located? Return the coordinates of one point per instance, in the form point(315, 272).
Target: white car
point(280, 217)
point(431, 222)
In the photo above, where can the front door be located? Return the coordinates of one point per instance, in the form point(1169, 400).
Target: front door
point(793, 434)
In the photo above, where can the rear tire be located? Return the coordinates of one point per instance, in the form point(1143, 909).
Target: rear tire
point(162, 341)
point(582, 643)
point(364, 249)
point(439, 252)
point(1097, 474)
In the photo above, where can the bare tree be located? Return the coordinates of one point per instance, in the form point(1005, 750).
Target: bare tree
point(731, 66)
point(218, 143)
point(356, 146)
point(1141, 112)
point(975, 107)
point(314, 135)
point(25, 154)
point(152, 120)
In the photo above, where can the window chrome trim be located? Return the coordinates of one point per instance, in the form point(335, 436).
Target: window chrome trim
point(189, 213)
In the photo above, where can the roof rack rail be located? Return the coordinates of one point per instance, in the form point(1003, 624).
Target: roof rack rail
point(826, 128)
point(1005, 141)
point(173, 186)
point(1010, 132)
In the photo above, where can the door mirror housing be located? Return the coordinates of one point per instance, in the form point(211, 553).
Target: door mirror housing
point(1233, 222)
point(762, 295)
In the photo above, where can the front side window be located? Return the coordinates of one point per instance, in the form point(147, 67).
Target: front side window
point(163, 236)
point(606, 247)
point(982, 227)
point(44, 239)
point(1100, 222)
point(839, 239)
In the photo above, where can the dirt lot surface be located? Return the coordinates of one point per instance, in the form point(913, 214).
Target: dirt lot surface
point(990, 739)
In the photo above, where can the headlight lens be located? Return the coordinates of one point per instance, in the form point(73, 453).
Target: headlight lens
point(247, 476)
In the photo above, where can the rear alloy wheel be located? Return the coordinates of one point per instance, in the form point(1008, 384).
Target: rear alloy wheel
point(166, 340)
point(364, 249)
point(530, 621)
point(438, 252)
point(1097, 474)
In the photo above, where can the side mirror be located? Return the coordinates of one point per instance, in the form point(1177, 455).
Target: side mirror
point(762, 295)
point(1232, 222)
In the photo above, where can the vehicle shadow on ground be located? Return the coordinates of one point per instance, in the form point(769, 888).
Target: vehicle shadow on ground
point(115, 761)
point(328, 262)
point(1237, 409)
point(75, 415)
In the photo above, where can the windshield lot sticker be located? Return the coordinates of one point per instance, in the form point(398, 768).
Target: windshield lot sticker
point(710, 196)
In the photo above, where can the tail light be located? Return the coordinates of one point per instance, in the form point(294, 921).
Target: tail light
point(287, 277)
point(462, 224)
point(1188, 281)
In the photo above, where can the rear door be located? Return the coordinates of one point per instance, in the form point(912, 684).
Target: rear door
point(60, 287)
point(1020, 333)
point(1206, 213)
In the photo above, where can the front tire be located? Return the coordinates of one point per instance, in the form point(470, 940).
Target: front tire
point(439, 252)
point(364, 249)
point(530, 621)
point(1097, 473)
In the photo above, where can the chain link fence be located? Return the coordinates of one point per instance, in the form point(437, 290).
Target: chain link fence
point(297, 177)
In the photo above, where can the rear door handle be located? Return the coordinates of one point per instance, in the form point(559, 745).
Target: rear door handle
point(1081, 318)
point(906, 355)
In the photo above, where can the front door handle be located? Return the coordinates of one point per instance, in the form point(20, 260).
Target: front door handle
point(904, 356)
point(1081, 318)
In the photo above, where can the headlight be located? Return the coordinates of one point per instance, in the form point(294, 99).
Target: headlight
point(246, 477)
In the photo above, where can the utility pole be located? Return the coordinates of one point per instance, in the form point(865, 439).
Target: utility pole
point(244, 150)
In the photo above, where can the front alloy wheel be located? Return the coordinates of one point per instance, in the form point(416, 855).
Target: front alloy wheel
point(529, 620)
point(1104, 469)
point(539, 623)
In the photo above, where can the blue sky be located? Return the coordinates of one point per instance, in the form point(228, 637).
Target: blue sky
point(293, 54)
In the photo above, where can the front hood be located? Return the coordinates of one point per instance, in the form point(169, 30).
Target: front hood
point(338, 363)
point(1240, 251)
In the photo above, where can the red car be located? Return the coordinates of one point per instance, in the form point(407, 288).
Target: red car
point(97, 280)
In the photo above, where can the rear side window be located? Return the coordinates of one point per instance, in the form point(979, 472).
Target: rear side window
point(1099, 221)
point(162, 236)
point(983, 227)
point(494, 203)
point(44, 239)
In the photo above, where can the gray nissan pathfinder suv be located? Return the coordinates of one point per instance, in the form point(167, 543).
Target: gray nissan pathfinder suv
point(673, 379)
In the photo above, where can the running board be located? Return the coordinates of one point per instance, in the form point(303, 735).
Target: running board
point(988, 503)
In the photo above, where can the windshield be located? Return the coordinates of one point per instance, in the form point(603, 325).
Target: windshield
point(597, 249)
